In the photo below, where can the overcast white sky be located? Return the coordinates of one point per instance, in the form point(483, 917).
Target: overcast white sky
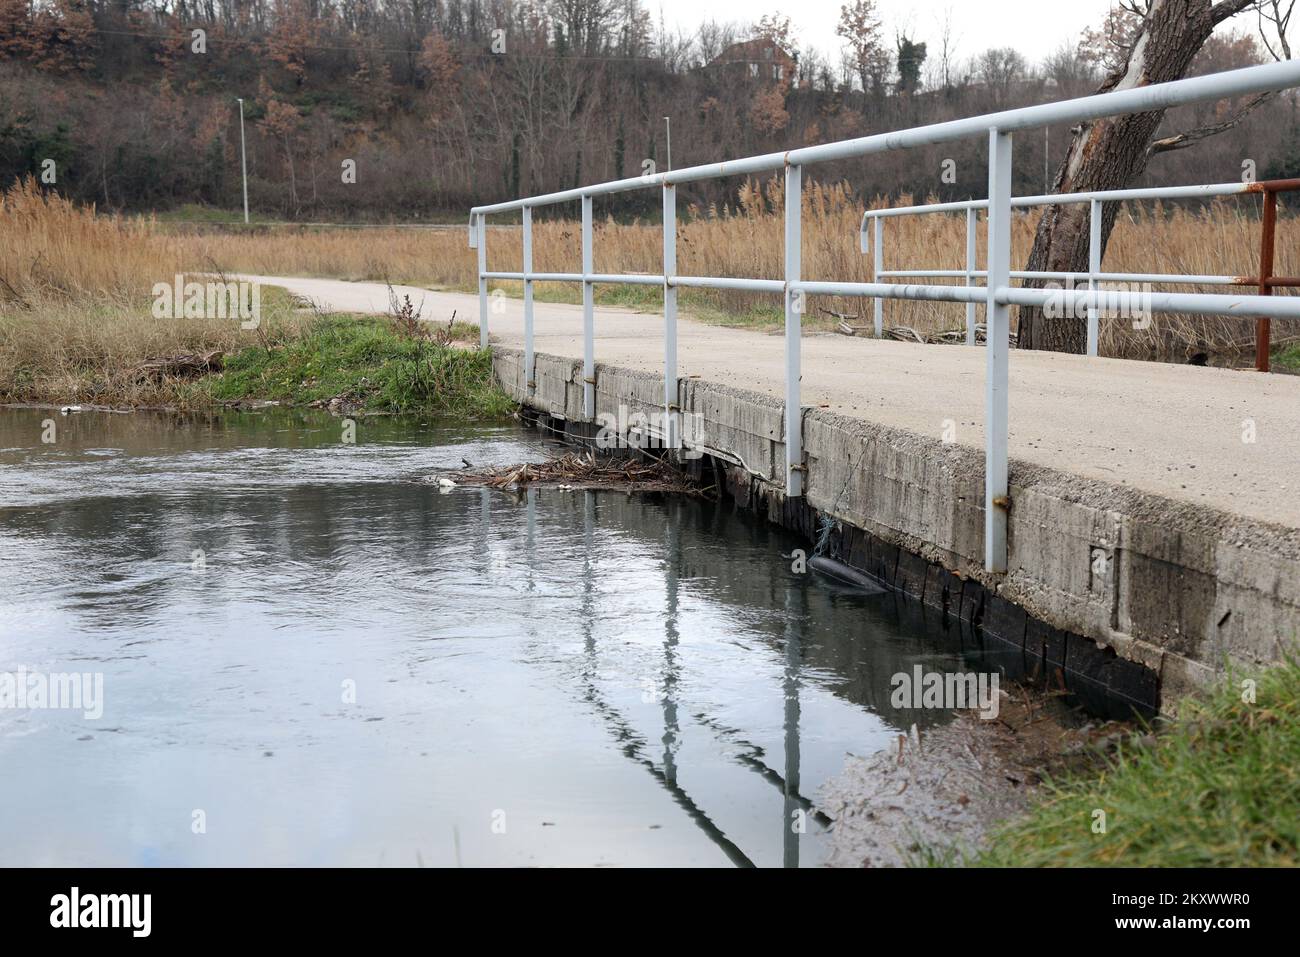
point(1034, 27)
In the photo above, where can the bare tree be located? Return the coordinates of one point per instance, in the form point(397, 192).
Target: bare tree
point(947, 50)
point(1110, 153)
point(1071, 74)
point(999, 70)
point(860, 27)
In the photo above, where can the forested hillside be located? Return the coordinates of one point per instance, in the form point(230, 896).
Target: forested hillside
point(438, 104)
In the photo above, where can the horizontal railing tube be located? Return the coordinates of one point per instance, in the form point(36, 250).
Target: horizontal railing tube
point(1060, 199)
point(1165, 278)
point(631, 279)
point(1197, 304)
point(893, 290)
point(607, 279)
point(556, 277)
point(721, 282)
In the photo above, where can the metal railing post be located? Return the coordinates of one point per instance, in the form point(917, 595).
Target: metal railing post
point(530, 379)
point(970, 274)
point(672, 437)
point(482, 282)
point(588, 316)
point(793, 329)
point(1094, 267)
point(878, 265)
point(1268, 227)
point(998, 320)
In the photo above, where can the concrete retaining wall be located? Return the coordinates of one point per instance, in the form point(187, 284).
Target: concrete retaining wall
point(1107, 584)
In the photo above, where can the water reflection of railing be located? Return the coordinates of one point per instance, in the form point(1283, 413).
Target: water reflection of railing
point(635, 747)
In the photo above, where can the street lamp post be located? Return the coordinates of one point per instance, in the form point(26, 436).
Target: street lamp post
point(243, 156)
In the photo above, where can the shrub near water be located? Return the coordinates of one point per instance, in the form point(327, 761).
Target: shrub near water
point(1220, 787)
point(368, 365)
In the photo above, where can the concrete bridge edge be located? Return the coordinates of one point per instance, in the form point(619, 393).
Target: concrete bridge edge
point(1143, 597)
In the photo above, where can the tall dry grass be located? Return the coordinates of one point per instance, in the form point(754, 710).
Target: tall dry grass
point(76, 287)
point(76, 322)
point(746, 239)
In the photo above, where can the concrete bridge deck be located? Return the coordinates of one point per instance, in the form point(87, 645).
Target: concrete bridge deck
point(1185, 479)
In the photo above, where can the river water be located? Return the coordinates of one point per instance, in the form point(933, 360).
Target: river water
point(311, 655)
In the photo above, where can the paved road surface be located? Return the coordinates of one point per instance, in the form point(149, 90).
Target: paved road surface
point(1169, 429)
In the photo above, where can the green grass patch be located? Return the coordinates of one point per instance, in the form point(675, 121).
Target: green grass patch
point(1287, 360)
point(1217, 787)
point(368, 364)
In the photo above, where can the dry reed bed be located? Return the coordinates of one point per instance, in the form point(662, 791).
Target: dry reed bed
point(75, 305)
point(747, 240)
point(75, 287)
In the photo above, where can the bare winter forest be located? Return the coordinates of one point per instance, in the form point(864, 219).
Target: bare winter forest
point(131, 105)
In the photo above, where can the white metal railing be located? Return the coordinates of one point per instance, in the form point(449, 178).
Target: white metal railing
point(997, 294)
point(1093, 275)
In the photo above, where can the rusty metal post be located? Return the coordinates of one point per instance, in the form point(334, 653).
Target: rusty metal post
point(1268, 230)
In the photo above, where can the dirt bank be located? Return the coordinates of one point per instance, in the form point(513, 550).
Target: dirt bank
point(935, 796)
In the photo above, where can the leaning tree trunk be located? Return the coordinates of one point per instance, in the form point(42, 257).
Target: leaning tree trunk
point(1111, 153)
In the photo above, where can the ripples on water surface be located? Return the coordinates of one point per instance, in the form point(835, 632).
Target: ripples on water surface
point(608, 679)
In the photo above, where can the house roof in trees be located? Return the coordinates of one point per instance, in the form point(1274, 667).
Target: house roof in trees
point(770, 58)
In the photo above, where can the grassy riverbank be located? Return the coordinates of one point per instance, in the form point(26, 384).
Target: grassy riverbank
point(1218, 787)
point(118, 357)
point(367, 366)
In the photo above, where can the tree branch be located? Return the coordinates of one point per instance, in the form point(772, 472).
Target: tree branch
point(1281, 22)
point(1180, 141)
point(1230, 8)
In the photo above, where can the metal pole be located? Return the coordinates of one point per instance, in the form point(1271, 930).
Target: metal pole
point(878, 264)
point(793, 322)
point(970, 274)
point(482, 282)
point(673, 433)
point(668, 124)
point(998, 319)
point(243, 157)
point(588, 316)
point(1268, 228)
point(530, 378)
point(1094, 267)
point(1047, 152)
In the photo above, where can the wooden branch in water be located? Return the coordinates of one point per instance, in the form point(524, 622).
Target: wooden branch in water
point(583, 470)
